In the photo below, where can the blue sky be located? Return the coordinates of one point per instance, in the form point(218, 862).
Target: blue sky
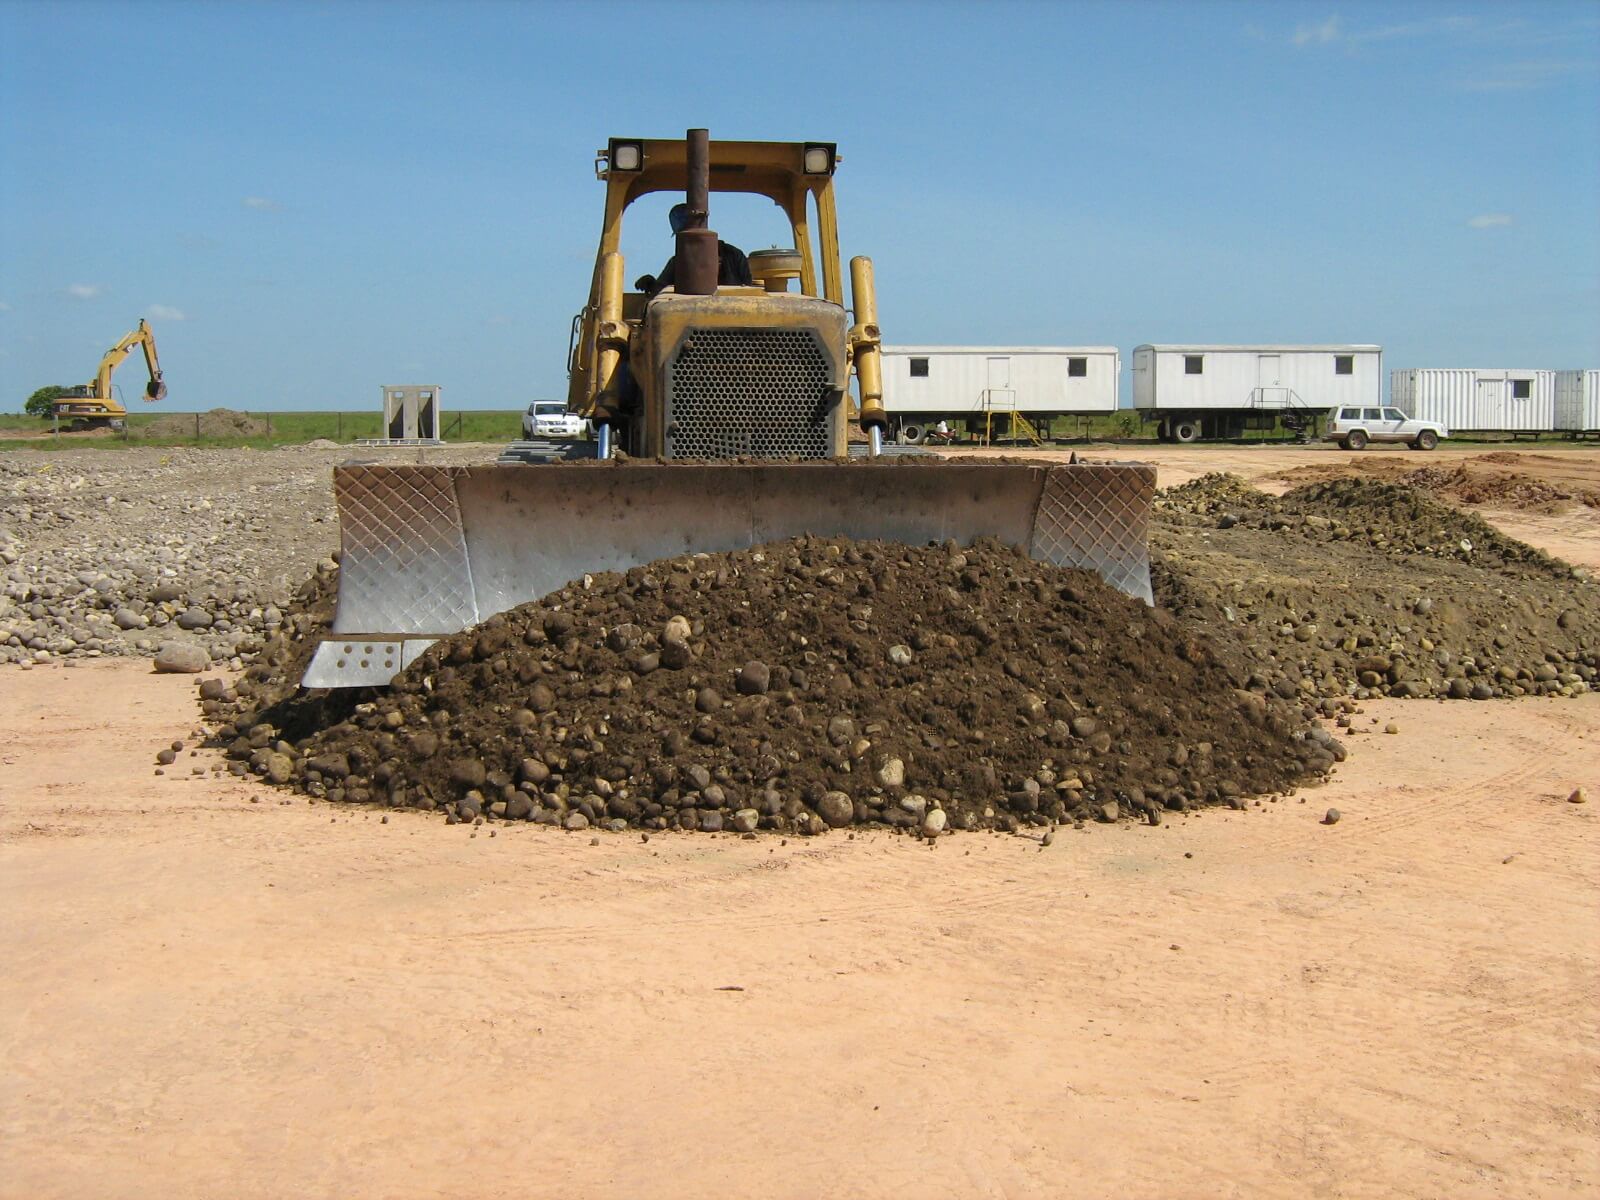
point(309, 200)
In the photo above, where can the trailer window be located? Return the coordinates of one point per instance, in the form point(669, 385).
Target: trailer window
point(1077, 367)
point(919, 368)
point(1194, 364)
point(1521, 389)
point(1344, 364)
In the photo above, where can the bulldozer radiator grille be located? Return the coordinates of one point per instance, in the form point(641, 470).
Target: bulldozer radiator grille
point(757, 393)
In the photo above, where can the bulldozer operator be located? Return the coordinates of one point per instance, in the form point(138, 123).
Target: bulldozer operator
point(733, 268)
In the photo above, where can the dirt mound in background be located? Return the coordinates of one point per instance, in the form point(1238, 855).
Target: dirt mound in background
point(1500, 489)
point(1463, 483)
point(804, 685)
point(1399, 520)
point(1513, 458)
point(216, 423)
point(1356, 587)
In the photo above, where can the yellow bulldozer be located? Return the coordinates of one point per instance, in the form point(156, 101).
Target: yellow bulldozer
point(727, 409)
point(94, 405)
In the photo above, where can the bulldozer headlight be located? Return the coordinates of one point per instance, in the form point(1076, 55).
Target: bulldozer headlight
point(627, 156)
point(819, 157)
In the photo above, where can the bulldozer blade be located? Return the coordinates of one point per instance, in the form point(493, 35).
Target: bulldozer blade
point(430, 551)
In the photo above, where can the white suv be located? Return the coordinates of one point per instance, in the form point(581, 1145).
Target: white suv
point(550, 418)
point(1354, 427)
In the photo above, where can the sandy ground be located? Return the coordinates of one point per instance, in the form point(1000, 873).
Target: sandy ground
point(208, 992)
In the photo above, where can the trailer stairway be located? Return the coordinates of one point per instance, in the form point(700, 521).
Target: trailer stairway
point(1291, 408)
point(1002, 402)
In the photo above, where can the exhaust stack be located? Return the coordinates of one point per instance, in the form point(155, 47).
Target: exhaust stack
point(698, 261)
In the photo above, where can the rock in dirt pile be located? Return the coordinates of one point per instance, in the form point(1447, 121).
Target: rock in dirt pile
point(1357, 588)
point(801, 686)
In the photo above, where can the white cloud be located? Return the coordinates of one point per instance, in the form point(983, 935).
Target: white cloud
point(1318, 35)
point(1432, 27)
point(1462, 30)
point(1490, 221)
point(261, 203)
point(165, 312)
point(1521, 76)
point(85, 291)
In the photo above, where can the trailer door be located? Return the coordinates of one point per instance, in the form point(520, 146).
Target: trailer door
point(1270, 392)
point(998, 393)
point(1487, 410)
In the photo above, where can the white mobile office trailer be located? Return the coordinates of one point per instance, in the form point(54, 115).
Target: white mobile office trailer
point(1469, 400)
point(1578, 401)
point(1220, 391)
point(923, 385)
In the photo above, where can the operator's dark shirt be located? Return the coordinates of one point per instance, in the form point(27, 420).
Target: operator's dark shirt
point(733, 269)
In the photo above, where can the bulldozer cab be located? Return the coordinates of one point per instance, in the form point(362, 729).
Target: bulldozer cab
point(796, 176)
point(791, 321)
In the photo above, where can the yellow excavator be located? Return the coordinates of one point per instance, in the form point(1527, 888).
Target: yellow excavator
point(727, 408)
point(94, 405)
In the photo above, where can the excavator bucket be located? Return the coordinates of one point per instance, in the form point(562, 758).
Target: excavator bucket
point(155, 390)
point(429, 551)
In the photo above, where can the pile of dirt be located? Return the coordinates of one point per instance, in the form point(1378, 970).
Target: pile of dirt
point(1463, 483)
point(217, 423)
point(1500, 489)
point(269, 687)
point(800, 686)
point(1358, 588)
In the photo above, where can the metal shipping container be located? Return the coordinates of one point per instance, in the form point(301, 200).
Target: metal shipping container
point(1475, 400)
point(1578, 401)
point(927, 384)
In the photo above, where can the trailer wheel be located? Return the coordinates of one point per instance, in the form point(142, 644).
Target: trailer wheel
point(1186, 431)
point(912, 433)
point(1355, 440)
point(1426, 440)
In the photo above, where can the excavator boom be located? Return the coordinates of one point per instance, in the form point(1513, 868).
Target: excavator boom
point(95, 403)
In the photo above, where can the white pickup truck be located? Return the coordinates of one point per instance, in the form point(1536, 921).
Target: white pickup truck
point(550, 418)
point(1354, 427)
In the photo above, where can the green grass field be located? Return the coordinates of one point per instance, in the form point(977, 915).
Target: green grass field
point(482, 425)
point(272, 429)
point(289, 428)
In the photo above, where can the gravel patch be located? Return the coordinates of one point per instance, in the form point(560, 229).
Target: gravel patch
point(118, 552)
